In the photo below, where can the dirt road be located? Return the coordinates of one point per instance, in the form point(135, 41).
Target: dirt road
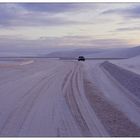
point(64, 98)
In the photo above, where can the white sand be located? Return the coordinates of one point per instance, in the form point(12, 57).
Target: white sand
point(48, 98)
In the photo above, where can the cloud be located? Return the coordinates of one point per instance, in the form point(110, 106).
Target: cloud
point(60, 42)
point(12, 15)
point(128, 29)
point(7, 13)
point(38, 14)
point(109, 43)
point(34, 20)
point(49, 7)
point(132, 11)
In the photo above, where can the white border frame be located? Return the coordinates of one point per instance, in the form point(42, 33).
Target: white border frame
point(65, 1)
point(70, 1)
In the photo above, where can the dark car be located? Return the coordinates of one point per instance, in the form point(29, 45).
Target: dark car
point(81, 58)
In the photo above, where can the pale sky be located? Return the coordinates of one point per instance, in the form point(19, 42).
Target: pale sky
point(70, 24)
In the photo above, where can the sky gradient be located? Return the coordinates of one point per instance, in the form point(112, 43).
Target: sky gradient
point(67, 25)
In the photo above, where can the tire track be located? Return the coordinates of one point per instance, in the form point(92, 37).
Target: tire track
point(96, 127)
point(66, 79)
point(86, 119)
point(17, 117)
point(72, 103)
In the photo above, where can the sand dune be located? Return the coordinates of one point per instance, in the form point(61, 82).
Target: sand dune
point(131, 64)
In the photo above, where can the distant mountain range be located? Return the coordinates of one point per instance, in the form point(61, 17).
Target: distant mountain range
point(74, 53)
point(98, 53)
point(122, 53)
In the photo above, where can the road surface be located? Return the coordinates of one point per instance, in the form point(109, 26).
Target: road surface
point(44, 97)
